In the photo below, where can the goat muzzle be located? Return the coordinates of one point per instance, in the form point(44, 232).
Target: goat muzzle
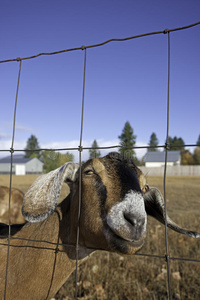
point(127, 219)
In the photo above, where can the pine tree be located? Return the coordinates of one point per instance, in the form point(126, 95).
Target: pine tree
point(31, 145)
point(128, 139)
point(153, 142)
point(174, 142)
point(94, 153)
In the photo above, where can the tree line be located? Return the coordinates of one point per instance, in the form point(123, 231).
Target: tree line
point(53, 159)
point(177, 144)
point(128, 140)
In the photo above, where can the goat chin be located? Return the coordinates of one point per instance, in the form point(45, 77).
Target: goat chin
point(121, 245)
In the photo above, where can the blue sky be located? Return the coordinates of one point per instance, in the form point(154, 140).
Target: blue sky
point(124, 80)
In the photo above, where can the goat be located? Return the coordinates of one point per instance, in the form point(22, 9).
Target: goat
point(16, 201)
point(115, 201)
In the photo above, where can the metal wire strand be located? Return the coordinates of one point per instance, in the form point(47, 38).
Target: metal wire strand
point(102, 44)
point(11, 164)
point(80, 177)
point(103, 148)
point(48, 244)
point(165, 171)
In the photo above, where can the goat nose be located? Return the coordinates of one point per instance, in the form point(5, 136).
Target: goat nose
point(134, 219)
point(136, 225)
point(130, 218)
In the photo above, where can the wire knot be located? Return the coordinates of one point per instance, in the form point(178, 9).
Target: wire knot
point(167, 146)
point(56, 250)
point(18, 59)
point(166, 31)
point(83, 47)
point(12, 150)
point(167, 257)
point(80, 148)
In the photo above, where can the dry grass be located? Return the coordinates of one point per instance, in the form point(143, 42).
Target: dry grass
point(24, 182)
point(110, 276)
point(20, 182)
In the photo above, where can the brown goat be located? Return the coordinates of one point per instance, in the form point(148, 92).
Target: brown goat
point(115, 201)
point(16, 201)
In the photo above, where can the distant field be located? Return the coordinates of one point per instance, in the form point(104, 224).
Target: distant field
point(20, 182)
point(109, 276)
point(24, 182)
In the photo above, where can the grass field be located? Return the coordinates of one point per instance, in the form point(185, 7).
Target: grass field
point(110, 276)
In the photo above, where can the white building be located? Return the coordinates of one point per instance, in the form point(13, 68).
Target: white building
point(153, 159)
point(21, 165)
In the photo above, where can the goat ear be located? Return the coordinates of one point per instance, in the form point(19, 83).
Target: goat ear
point(42, 197)
point(154, 205)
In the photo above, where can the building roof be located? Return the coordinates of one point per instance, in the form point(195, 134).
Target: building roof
point(158, 156)
point(17, 159)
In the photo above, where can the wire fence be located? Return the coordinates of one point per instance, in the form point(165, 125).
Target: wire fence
point(51, 246)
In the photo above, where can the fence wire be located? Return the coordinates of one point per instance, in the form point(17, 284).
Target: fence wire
point(51, 246)
point(165, 173)
point(11, 164)
point(80, 177)
point(101, 44)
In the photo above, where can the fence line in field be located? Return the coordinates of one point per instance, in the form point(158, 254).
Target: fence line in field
point(172, 170)
point(167, 146)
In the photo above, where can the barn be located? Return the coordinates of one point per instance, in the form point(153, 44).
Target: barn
point(21, 165)
point(154, 159)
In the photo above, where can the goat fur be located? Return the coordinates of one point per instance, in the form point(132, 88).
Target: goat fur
point(42, 254)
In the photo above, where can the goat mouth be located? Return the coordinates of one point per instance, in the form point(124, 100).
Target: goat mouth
point(133, 242)
point(123, 245)
point(128, 233)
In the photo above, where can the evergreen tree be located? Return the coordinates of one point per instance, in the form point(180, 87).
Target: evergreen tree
point(128, 139)
point(153, 142)
point(31, 145)
point(94, 153)
point(174, 142)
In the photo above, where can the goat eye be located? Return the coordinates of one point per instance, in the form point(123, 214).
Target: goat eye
point(89, 172)
point(145, 188)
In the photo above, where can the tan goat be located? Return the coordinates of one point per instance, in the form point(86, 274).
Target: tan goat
point(16, 201)
point(115, 201)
